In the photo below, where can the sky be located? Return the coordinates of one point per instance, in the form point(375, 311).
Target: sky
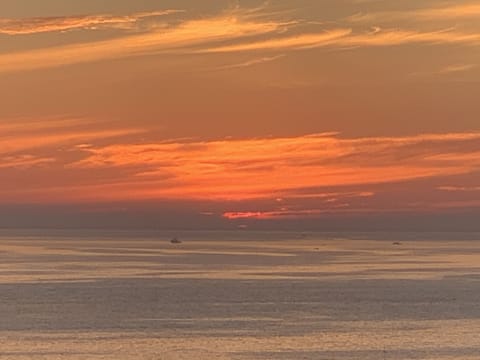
point(331, 114)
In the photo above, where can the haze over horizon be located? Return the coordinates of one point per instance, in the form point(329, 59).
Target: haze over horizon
point(339, 114)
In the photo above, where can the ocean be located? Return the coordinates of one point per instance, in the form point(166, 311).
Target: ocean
point(239, 295)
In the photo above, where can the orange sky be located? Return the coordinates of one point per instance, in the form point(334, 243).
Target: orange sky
point(240, 111)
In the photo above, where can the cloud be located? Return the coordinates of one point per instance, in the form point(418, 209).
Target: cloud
point(254, 178)
point(252, 62)
point(23, 136)
point(459, 188)
point(278, 167)
point(446, 70)
point(402, 37)
point(37, 25)
point(302, 41)
point(23, 161)
point(463, 11)
point(228, 32)
point(468, 10)
point(177, 38)
point(457, 68)
point(22, 126)
point(267, 215)
point(324, 203)
point(345, 38)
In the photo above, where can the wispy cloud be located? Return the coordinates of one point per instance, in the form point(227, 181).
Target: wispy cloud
point(275, 214)
point(469, 10)
point(457, 68)
point(252, 62)
point(23, 161)
point(453, 69)
point(302, 41)
point(23, 136)
point(178, 38)
point(243, 169)
point(459, 188)
point(232, 31)
point(345, 38)
point(323, 203)
point(27, 26)
point(399, 37)
point(253, 178)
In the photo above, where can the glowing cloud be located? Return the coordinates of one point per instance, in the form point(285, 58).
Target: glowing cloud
point(22, 136)
point(463, 11)
point(276, 167)
point(233, 31)
point(457, 68)
point(459, 188)
point(23, 161)
point(262, 60)
point(302, 41)
point(52, 24)
point(188, 34)
point(291, 177)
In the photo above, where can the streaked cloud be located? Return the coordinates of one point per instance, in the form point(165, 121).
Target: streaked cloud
point(249, 179)
point(178, 38)
point(23, 161)
point(457, 68)
point(303, 41)
point(22, 136)
point(267, 215)
point(468, 10)
point(276, 167)
point(448, 70)
point(402, 37)
point(457, 11)
point(459, 188)
point(344, 38)
point(324, 203)
point(238, 30)
point(257, 61)
point(28, 26)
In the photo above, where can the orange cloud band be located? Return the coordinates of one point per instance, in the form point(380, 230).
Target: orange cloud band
point(231, 32)
point(272, 167)
point(64, 23)
point(293, 177)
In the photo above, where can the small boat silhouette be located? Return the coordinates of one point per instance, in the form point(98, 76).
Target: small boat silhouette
point(175, 241)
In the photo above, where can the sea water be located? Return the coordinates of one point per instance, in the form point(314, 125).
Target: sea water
point(239, 295)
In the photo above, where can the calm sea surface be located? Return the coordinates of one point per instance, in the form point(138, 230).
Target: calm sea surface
point(239, 295)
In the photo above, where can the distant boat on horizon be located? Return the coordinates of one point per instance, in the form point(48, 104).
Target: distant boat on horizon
point(175, 240)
